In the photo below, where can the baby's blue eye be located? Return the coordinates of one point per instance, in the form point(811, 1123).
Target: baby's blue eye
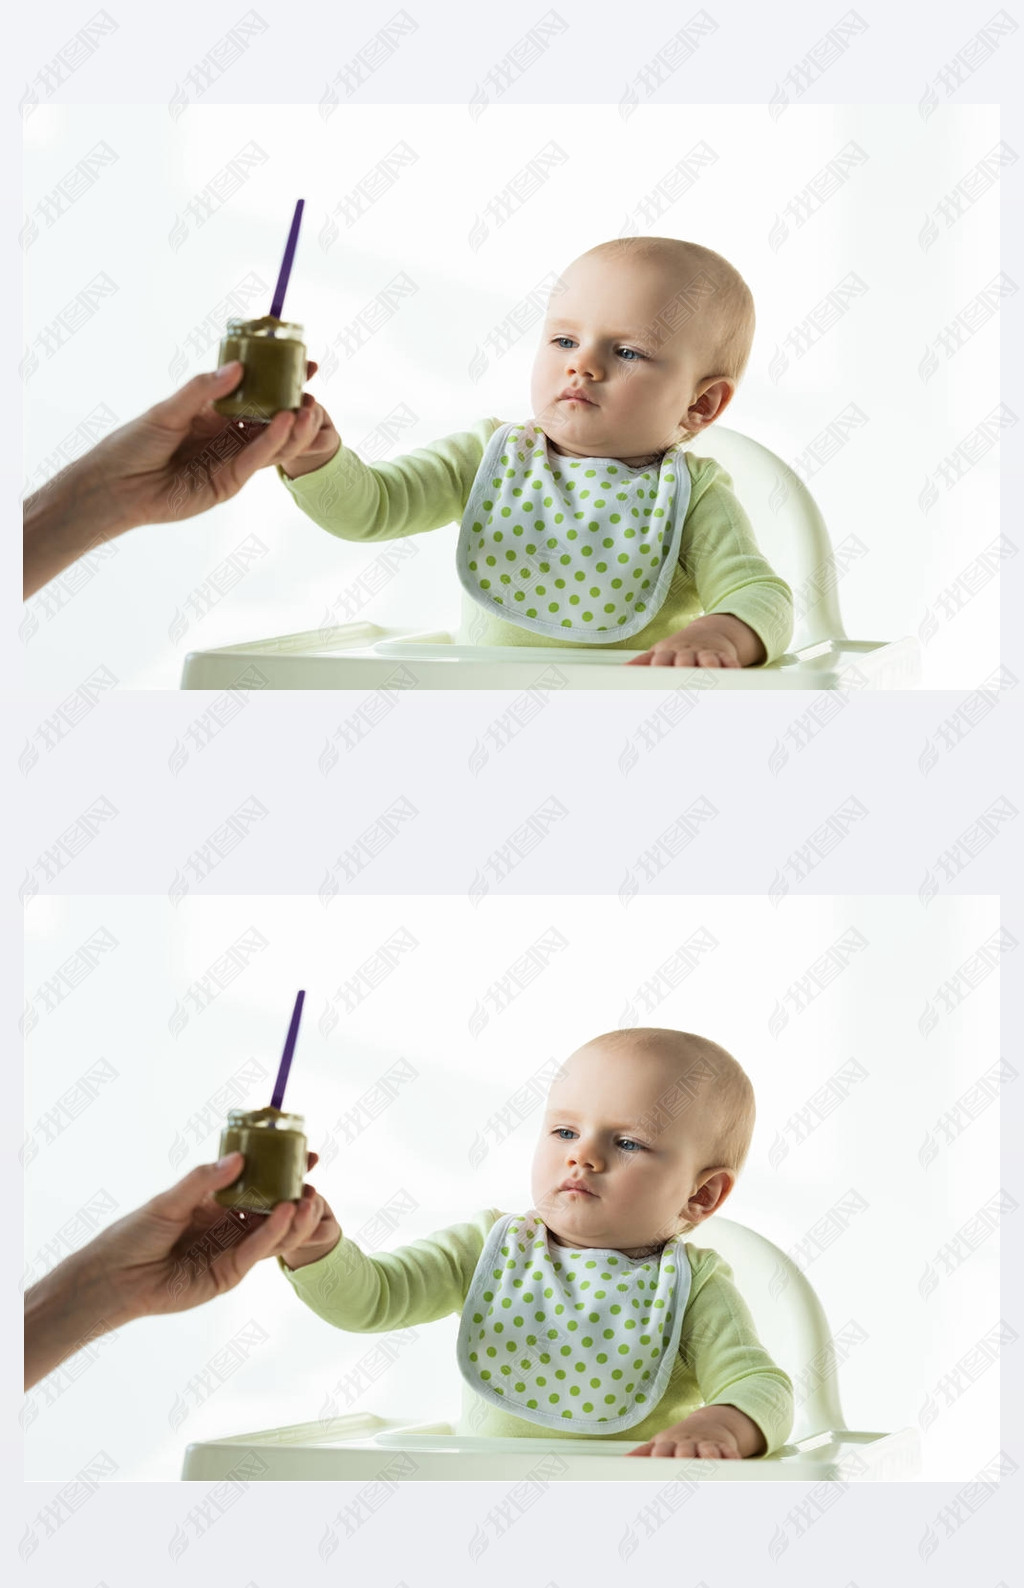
point(632, 1147)
point(635, 356)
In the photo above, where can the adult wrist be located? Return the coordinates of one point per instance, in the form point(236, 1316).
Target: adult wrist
point(72, 1305)
point(63, 520)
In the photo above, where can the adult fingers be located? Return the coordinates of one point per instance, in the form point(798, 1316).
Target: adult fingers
point(177, 411)
point(267, 447)
point(179, 1202)
point(312, 1159)
point(311, 369)
point(265, 1239)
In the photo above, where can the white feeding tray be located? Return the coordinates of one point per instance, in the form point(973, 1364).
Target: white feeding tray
point(365, 1448)
point(364, 656)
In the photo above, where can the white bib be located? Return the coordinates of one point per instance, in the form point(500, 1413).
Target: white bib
point(581, 1339)
point(580, 548)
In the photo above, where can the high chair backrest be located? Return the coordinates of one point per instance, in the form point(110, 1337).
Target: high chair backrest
point(788, 1316)
point(788, 527)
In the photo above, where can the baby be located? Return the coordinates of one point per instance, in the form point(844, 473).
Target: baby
point(589, 1314)
point(589, 524)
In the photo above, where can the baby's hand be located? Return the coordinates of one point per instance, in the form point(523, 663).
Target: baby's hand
point(314, 1231)
point(682, 650)
point(710, 1443)
point(715, 1433)
point(313, 441)
point(720, 640)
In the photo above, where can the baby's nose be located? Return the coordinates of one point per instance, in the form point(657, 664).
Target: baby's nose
point(579, 362)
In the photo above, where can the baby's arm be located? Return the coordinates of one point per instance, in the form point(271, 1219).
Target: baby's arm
point(426, 489)
point(748, 608)
point(364, 1293)
point(748, 1400)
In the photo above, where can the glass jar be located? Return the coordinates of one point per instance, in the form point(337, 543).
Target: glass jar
point(274, 1145)
point(274, 358)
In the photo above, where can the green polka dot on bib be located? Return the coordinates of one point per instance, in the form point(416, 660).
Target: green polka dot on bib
point(623, 1373)
point(546, 511)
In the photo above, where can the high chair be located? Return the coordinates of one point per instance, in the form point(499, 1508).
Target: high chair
point(790, 531)
point(791, 1325)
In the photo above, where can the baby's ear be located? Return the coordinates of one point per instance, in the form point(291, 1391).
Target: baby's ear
point(710, 405)
point(710, 1194)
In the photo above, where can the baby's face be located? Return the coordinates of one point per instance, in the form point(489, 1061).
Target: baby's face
point(608, 334)
point(598, 1133)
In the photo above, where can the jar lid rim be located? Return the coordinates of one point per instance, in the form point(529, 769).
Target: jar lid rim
point(253, 1114)
point(281, 325)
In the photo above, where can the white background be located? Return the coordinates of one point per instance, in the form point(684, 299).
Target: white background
point(147, 1011)
point(174, 260)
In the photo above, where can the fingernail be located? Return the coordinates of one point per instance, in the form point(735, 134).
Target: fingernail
point(222, 1163)
point(231, 364)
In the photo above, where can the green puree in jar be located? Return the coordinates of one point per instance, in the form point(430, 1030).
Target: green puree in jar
point(274, 1145)
point(273, 356)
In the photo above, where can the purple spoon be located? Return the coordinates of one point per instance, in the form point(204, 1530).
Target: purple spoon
point(286, 263)
point(289, 1049)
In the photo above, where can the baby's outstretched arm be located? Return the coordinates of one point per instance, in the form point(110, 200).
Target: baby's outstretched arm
point(715, 1433)
point(717, 640)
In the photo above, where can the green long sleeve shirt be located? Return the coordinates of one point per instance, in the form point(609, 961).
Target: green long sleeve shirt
point(719, 1361)
point(720, 568)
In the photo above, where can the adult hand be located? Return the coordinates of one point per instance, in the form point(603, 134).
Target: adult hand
point(181, 457)
point(177, 1251)
point(182, 1248)
point(177, 459)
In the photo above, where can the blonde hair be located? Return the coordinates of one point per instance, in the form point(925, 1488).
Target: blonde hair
point(708, 285)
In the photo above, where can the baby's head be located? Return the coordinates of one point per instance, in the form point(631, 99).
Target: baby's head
point(655, 1124)
point(656, 332)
